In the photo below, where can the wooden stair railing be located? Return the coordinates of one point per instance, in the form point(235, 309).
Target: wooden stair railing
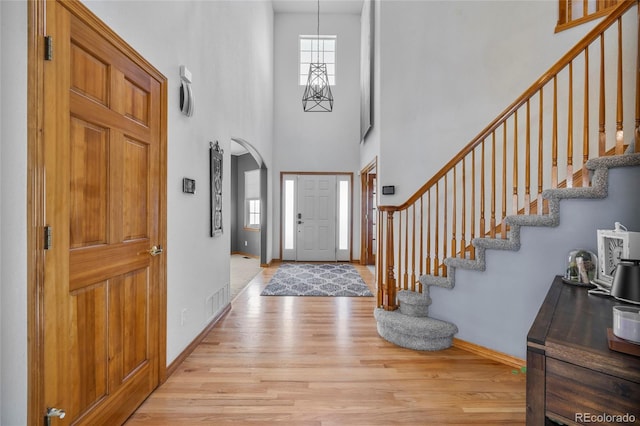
point(529, 147)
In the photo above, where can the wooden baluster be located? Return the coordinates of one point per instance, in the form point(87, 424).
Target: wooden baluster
point(503, 225)
point(493, 185)
point(540, 155)
point(554, 138)
point(381, 281)
point(436, 254)
point(483, 227)
point(454, 215)
point(527, 167)
point(563, 11)
point(390, 296)
point(515, 165)
point(473, 201)
point(444, 229)
point(569, 178)
point(463, 242)
point(400, 276)
point(421, 234)
point(619, 112)
point(406, 252)
point(429, 271)
point(585, 131)
point(602, 135)
point(413, 248)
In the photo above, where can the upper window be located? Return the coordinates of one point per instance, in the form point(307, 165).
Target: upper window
point(314, 49)
point(575, 12)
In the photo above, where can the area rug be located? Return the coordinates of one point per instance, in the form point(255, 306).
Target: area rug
point(321, 279)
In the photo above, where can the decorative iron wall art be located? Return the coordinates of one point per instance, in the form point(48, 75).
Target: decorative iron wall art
point(215, 172)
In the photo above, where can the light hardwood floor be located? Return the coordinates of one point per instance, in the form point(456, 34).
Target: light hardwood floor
point(319, 361)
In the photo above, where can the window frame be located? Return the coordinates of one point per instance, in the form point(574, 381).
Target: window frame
point(250, 213)
point(302, 77)
point(251, 197)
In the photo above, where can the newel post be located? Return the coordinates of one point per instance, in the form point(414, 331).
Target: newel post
point(389, 295)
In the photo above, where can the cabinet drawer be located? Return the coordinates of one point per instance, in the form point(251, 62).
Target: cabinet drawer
point(579, 394)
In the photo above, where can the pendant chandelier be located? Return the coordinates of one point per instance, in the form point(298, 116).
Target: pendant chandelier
point(317, 95)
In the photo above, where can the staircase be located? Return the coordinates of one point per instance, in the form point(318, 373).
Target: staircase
point(482, 198)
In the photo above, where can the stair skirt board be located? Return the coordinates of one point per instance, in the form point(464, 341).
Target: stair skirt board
point(417, 333)
point(409, 327)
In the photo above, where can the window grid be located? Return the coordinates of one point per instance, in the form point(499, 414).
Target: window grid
point(253, 213)
point(314, 49)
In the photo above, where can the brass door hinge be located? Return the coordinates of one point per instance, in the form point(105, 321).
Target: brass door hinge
point(47, 237)
point(48, 48)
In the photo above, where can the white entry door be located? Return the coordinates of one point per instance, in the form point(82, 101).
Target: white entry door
point(316, 217)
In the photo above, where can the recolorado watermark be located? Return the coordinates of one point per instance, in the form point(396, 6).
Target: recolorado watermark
point(604, 418)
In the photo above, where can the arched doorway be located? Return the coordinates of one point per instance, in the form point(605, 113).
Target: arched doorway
point(240, 146)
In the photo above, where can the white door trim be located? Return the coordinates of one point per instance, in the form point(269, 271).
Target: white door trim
point(343, 220)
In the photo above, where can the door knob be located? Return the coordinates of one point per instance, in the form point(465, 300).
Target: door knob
point(155, 250)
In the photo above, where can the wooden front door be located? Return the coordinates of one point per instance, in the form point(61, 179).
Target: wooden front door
point(371, 219)
point(104, 292)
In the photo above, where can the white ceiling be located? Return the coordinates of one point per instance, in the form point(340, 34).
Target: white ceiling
point(311, 6)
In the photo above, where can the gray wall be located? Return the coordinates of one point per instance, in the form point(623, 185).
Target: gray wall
point(239, 234)
point(233, 193)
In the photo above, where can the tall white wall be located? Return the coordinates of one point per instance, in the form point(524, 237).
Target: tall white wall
point(1, 38)
point(13, 213)
point(228, 46)
point(316, 141)
point(447, 69)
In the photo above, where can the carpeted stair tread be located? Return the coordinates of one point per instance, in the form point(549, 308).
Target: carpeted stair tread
point(418, 333)
point(429, 280)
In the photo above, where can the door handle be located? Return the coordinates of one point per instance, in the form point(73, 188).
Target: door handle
point(53, 412)
point(300, 222)
point(155, 250)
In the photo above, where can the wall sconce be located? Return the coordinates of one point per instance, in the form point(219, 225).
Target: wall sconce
point(186, 92)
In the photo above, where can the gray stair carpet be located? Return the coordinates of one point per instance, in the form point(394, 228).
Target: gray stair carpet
point(410, 326)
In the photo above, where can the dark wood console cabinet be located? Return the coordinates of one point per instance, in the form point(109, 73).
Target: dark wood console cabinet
point(572, 375)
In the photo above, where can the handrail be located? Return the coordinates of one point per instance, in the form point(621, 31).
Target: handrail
point(504, 168)
point(615, 14)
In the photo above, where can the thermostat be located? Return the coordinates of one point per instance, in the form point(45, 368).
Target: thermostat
point(388, 190)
